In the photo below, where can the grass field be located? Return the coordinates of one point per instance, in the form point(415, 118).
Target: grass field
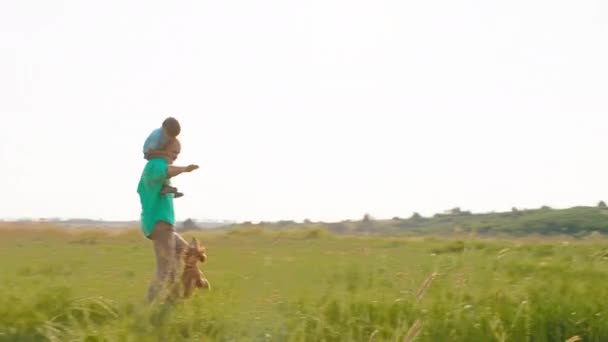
point(305, 285)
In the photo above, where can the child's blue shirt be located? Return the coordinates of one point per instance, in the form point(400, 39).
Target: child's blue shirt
point(155, 140)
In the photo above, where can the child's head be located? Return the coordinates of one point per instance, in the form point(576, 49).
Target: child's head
point(171, 127)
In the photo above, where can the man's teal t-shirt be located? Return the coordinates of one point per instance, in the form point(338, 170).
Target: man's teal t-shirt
point(154, 207)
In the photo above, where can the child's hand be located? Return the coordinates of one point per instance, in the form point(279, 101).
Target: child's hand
point(191, 168)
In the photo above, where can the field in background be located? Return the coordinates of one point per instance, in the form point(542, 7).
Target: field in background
point(305, 285)
point(579, 222)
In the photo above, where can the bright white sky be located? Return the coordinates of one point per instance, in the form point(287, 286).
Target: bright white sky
point(312, 109)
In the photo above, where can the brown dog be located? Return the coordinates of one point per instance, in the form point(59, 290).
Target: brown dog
point(192, 277)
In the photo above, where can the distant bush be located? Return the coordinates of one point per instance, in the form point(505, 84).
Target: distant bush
point(249, 231)
point(452, 247)
point(315, 233)
point(307, 233)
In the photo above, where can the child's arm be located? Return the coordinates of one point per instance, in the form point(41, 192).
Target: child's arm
point(153, 153)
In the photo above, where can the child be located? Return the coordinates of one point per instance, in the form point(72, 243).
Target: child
point(155, 143)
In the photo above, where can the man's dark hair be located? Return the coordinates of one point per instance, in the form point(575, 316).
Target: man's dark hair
point(171, 125)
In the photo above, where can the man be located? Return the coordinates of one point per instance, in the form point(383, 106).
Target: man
point(158, 217)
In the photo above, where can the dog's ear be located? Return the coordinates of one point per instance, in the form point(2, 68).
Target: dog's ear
point(194, 243)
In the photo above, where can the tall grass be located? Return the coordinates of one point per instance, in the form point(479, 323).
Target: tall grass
point(305, 285)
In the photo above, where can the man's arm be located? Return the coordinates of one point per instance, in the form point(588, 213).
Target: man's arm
point(153, 153)
point(173, 171)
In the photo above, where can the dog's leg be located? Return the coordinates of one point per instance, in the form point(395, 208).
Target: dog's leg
point(191, 285)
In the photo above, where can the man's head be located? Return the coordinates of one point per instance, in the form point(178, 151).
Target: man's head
point(171, 127)
point(173, 148)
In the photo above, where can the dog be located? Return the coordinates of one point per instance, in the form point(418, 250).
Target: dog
point(192, 277)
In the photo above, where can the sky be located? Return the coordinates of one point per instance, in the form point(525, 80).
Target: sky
point(318, 109)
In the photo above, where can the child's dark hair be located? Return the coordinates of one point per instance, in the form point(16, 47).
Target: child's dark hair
point(171, 125)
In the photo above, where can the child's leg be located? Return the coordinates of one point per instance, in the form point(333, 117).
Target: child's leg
point(167, 189)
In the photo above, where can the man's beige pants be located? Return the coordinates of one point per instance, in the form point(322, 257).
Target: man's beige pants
point(168, 246)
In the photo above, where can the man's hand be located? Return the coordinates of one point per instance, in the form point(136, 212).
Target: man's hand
point(191, 168)
point(173, 171)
